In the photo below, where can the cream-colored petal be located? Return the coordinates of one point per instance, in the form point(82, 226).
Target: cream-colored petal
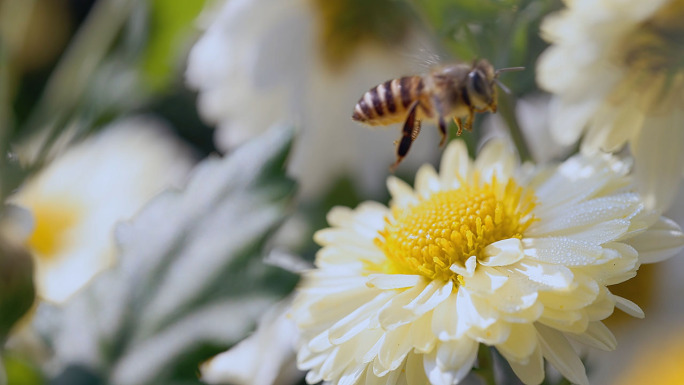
point(421, 334)
point(455, 164)
point(427, 181)
point(415, 372)
point(563, 251)
point(394, 281)
point(393, 351)
point(521, 343)
point(659, 154)
point(597, 335)
point(402, 194)
point(628, 307)
point(434, 294)
point(580, 222)
point(503, 253)
point(451, 361)
point(661, 241)
point(583, 292)
point(394, 313)
point(559, 353)
point(488, 279)
point(531, 371)
point(472, 313)
point(496, 159)
point(445, 318)
point(494, 334)
point(554, 276)
point(356, 321)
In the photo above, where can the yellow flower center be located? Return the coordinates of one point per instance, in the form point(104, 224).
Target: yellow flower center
point(450, 226)
point(53, 220)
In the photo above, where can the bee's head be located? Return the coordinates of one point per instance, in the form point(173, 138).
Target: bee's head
point(482, 81)
point(480, 84)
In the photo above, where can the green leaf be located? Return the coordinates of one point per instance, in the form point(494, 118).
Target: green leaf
point(190, 279)
point(16, 284)
point(171, 22)
point(19, 371)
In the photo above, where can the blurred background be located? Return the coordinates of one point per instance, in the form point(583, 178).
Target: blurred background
point(167, 162)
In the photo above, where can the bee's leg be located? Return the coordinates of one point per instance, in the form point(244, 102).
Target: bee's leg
point(493, 107)
point(409, 133)
point(469, 120)
point(442, 131)
point(459, 124)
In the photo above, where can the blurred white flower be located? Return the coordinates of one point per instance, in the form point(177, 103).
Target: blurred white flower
point(617, 71)
point(532, 114)
point(402, 295)
point(267, 357)
point(78, 198)
point(261, 62)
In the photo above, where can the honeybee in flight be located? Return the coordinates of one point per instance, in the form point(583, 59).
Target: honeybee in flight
point(453, 91)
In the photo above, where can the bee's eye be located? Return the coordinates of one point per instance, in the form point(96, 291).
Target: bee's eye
point(477, 83)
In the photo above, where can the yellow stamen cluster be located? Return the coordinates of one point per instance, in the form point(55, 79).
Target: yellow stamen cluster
point(450, 226)
point(52, 223)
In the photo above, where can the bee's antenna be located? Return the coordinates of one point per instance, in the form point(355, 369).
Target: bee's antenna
point(503, 87)
point(509, 69)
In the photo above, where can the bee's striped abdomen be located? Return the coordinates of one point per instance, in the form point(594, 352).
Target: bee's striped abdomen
point(387, 103)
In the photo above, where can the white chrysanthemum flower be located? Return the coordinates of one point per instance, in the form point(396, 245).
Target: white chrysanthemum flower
point(79, 197)
point(267, 357)
point(261, 62)
point(484, 252)
point(617, 69)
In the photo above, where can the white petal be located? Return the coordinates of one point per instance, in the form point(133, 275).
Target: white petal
point(628, 307)
point(587, 220)
point(503, 253)
point(394, 313)
point(468, 270)
point(394, 350)
point(562, 251)
point(559, 353)
point(473, 313)
point(663, 240)
point(451, 361)
point(495, 158)
point(598, 336)
point(455, 164)
point(521, 343)
point(402, 194)
point(393, 281)
point(427, 181)
point(659, 154)
point(356, 322)
point(434, 294)
point(445, 318)
point(554, 276)
point(531, 371)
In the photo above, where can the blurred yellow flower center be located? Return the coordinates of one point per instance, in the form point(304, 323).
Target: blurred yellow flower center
point(53, 221)
point(450, 226)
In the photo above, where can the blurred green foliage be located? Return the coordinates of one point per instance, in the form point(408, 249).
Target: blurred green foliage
point(16, 285)
point(503, 31)
point(169, 28)
point(21, 371)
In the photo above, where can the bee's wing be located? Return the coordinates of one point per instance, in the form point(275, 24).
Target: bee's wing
point(421, 54)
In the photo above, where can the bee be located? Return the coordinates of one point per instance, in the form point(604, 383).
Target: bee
point(454, 91)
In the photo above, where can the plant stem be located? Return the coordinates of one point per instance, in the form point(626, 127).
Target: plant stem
point(507, 110)
point(485, 367)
